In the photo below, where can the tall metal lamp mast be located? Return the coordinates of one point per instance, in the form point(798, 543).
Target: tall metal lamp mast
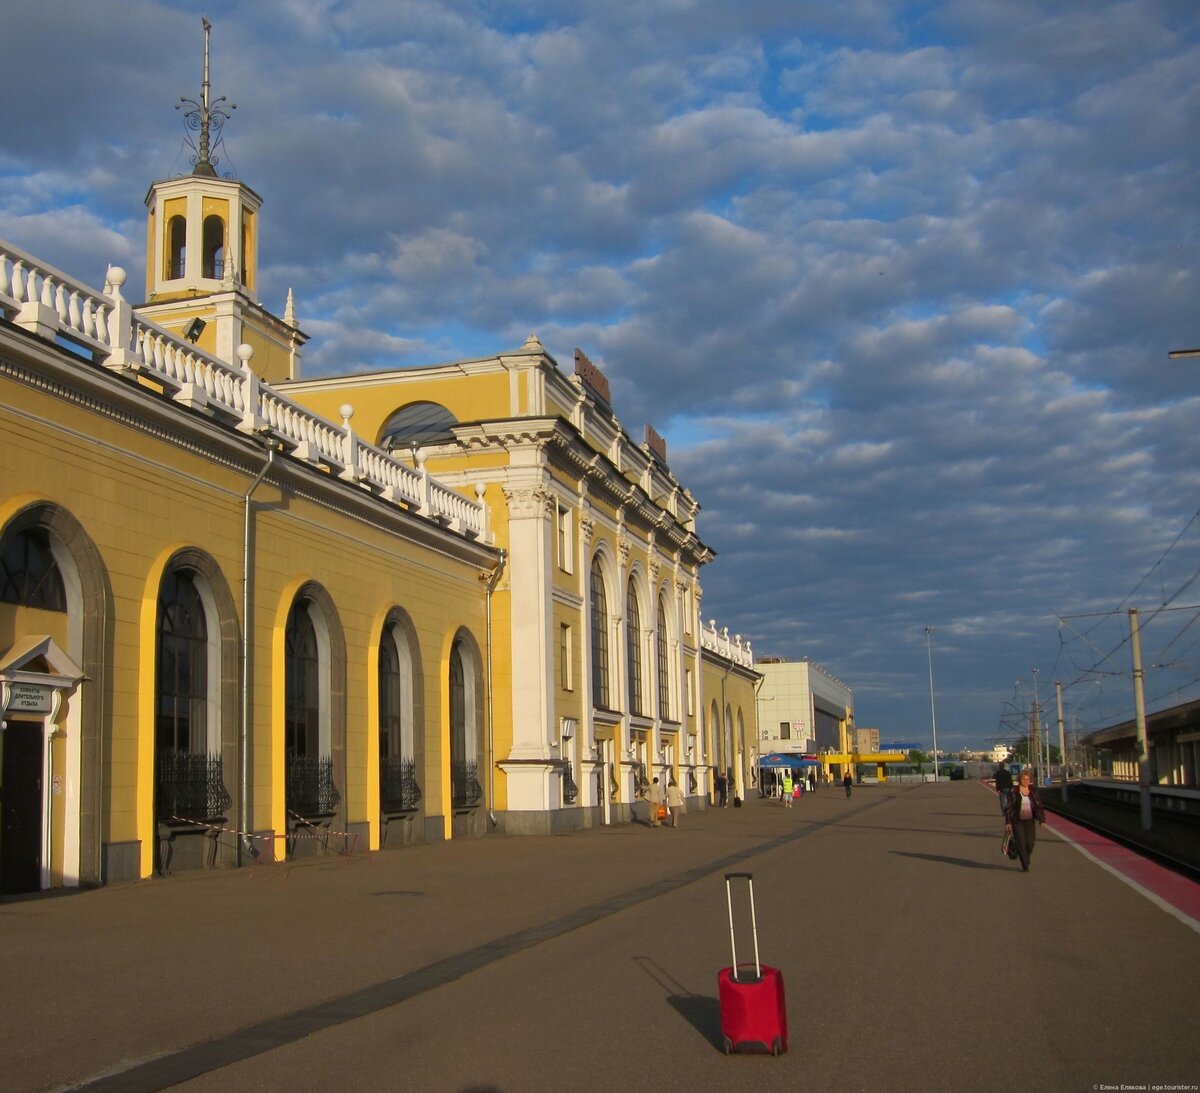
point(932, 707)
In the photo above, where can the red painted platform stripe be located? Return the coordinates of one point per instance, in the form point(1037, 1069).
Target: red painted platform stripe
point(1174, 893)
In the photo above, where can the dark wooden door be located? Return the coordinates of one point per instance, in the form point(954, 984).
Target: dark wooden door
point(21, 809)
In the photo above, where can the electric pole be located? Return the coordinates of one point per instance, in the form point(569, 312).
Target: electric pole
point(1139, 706)
point(1062, 742)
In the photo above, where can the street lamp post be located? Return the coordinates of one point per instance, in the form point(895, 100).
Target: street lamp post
point(932, 707)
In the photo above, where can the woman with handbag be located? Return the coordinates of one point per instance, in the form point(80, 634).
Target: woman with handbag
point(1022, 815)
point(674, 801)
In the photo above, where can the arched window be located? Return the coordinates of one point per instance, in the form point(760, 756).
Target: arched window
point(176, 255)
point(465, 790)
point(633, 649)
point(397, 762)
point(182, 709)
point(664, 672)
point(458, 706)
point(189, 782)
point(416, 424)
point(29, 576)
point(214, 247)
point(599, 605)
point(302, 704)
point(310, 790)
point(391, 723)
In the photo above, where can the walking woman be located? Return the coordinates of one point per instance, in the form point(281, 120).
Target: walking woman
point(1022, 816)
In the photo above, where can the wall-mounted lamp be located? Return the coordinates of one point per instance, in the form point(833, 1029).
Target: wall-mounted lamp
point(194, 329)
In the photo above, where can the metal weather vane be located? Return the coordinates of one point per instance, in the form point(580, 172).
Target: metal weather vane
point(207, 117)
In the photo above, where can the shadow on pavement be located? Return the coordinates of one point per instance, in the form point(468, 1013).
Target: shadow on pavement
point(700, 1011)
point(703, 1014)
point(966, 862)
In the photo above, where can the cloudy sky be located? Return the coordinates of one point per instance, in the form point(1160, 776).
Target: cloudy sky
point(897, 282)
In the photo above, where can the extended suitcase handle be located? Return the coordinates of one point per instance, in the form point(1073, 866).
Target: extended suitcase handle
point(753, 922)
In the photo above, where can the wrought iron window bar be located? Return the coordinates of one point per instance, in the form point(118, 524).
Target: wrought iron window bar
point(398, 788)
point(641, 784)
point(191, 787)
point(465, 790)
point(570, 791)
point(310, 787)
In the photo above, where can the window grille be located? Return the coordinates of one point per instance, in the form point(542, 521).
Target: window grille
point(398, 788)
point(310, 788)
point(465, 790)
point(190, 787)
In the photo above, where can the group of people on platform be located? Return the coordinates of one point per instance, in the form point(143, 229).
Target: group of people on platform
point(1020, 802)
point(666, 803)
point(789, 787)
point(1021, 806)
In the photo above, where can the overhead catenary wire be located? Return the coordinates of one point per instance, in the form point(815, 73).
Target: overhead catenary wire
point(1092, 675)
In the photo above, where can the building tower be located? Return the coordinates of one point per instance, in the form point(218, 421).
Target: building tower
point(202, 254)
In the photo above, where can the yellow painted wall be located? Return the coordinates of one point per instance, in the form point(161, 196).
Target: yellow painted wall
point(271, 360)
point(248, 260)
point(473, 398)
point(151, 235)
point(140, 498)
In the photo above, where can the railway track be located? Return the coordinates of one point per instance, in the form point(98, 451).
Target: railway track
point(1171, 842)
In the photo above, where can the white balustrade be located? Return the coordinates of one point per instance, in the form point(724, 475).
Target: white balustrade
point(733, 649)
point(45, 301)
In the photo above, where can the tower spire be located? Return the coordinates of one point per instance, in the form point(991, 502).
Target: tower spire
point(207, 117)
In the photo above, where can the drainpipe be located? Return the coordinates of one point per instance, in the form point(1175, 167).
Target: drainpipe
point(726, 728)
point(492, 581)
point(244, 843)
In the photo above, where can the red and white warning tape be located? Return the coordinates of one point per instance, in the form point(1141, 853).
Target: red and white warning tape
point(323, 836)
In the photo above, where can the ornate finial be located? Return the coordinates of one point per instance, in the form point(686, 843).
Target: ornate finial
point(289, 309)
point(207, 117)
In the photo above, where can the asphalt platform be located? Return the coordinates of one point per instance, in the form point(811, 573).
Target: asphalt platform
point(916, 958)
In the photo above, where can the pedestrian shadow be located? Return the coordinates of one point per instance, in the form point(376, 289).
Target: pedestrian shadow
point(965, 862)
point(700, 1011)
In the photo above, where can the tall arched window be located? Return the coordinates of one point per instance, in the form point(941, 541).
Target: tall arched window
point(633, 649)
point(176, 256)
point(397, 762)
point(189, 782)
point(465, 789)
point(302, 705)
point(310, 789)
point(664, 672)
point(599, 605)
point(29, 576)
point(214, 247)
point(182, 712)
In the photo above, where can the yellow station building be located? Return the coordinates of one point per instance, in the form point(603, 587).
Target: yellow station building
point(245, 615)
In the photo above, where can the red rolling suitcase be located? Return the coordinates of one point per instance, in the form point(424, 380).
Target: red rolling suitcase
point(753, 1009)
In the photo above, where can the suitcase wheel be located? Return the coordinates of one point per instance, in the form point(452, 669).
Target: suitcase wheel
point(777, 1047)
point(728, 1046)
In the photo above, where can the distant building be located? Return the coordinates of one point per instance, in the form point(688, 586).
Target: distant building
point(802, 708)
point(1173, 738)
point(865, 741)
